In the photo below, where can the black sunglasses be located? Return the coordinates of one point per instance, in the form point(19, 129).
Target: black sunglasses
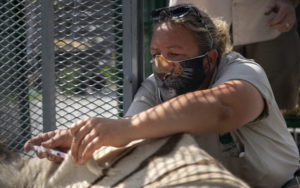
point(176, 11)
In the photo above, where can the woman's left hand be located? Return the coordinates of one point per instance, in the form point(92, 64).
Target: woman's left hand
point(92, 133)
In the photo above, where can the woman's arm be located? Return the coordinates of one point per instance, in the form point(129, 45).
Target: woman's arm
point(219, 110)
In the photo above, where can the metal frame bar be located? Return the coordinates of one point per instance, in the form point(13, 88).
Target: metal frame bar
point(133, 54)
point(48, 66)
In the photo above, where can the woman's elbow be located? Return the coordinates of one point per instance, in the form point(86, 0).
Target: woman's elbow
point(225, 120)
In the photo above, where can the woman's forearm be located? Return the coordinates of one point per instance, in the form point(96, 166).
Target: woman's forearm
point(195, 113)
point(217, 110)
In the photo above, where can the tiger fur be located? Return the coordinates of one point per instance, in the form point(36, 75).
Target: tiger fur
point(174, 161)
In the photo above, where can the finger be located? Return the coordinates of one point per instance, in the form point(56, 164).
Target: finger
point(282, 27)
point(38, 140)
point(279, 28)
point(54, 158)
point(90, 149)
point(54, 139)
point(290, 21)
point(85, 141)
point(51, 143)
point(34, 141)
point(81, 133)
point(278, 19)
point(42, 154)
point(28, 146)
point(76, 126)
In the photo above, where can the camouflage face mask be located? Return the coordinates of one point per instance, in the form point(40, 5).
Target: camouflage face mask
point(180, 77)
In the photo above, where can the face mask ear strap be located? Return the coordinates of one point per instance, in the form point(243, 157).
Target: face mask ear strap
point(208, 61)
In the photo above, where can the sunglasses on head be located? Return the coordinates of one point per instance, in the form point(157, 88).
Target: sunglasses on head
point(176, 11)
point(180, 11)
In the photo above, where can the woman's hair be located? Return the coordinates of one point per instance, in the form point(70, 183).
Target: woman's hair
point(211, 33)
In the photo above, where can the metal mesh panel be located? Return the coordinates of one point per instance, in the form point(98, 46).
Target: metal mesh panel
point(87, 62)
point(20, 64)
point(88, 46)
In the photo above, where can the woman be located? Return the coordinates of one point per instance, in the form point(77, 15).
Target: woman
point(201, 88)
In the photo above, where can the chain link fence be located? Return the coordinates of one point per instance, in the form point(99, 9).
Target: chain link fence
point(62, 61)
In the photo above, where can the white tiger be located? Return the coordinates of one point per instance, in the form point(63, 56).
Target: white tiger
point(174, 161)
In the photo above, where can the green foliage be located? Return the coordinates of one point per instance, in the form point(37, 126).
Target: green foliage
point(67, 79)
point(110, 74)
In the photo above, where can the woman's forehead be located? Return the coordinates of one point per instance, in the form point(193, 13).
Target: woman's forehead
point(173, 33)
point(169, 26)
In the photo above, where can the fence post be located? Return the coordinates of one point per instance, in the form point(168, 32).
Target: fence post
point(132, 48)
point(48, 66)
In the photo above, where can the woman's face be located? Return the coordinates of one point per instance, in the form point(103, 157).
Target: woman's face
point(174, 42)
point(172, 48)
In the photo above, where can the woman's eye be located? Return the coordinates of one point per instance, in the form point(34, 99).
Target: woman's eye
point(173, 55)
point(154, 55)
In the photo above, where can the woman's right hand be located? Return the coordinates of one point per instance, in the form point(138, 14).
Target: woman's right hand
point(59, 139)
